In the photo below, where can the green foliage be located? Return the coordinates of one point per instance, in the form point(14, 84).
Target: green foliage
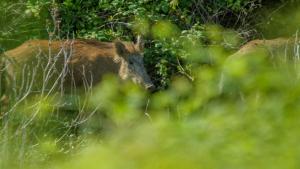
point(250, 124)
point(19, 22)
point(196, 120)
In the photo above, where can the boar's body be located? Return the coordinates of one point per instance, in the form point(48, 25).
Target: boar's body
point(275, 53)
point(280, 48)
point(67, 65)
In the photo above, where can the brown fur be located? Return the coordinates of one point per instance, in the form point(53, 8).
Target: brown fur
point(83, 62)
point(274, 52)
point(274, 47)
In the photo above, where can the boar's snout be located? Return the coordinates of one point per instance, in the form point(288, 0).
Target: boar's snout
point(151, 88)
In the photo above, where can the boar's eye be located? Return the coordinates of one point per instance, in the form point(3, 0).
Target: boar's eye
point(130, 62)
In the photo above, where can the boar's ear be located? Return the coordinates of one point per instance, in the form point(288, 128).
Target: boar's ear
point(140, 43)
point(120, 48)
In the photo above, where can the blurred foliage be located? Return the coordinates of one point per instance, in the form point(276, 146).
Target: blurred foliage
point(19, 22)
point(251, 121)
point(283, 15)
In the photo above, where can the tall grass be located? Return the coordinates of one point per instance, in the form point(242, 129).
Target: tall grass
point(252, 123)
point(189, 125)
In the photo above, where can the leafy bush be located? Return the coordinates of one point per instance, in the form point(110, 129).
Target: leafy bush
point(189, 123)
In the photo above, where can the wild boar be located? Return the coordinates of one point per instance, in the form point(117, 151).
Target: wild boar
point(45, 65)
point(274, 52)
point(280, 48)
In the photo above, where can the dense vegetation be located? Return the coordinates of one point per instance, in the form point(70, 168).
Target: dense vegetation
point(189, 123)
